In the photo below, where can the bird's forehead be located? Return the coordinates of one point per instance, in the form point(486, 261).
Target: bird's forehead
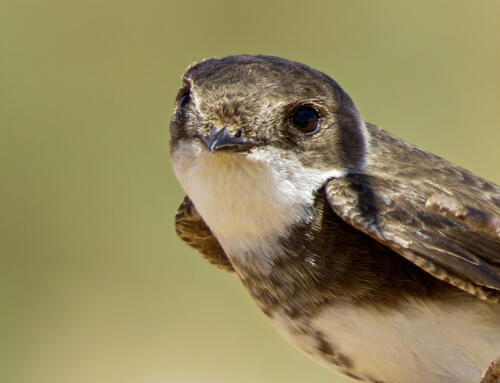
point(244, 79)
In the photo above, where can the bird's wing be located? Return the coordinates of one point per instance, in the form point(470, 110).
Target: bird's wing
point(438, 216)
point(191, 228)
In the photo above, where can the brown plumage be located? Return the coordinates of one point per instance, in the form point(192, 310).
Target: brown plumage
point(387, 200)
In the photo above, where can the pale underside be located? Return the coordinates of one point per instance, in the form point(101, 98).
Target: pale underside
point(414, 343)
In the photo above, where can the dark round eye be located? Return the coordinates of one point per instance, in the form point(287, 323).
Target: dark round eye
point(184, 100)
point(306, 119)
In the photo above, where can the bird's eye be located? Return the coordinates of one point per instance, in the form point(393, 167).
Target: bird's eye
point(184, 100)
point(306, 119)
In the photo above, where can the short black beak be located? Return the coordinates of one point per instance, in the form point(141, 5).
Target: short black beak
point(223, 139)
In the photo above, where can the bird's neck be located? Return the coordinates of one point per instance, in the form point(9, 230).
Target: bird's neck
point(274, 224)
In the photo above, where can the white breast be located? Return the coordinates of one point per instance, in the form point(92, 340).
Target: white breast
point(417, 342)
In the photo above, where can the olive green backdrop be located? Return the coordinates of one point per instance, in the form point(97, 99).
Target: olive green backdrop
point(94, 284)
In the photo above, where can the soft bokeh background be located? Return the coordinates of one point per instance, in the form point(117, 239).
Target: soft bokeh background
point(94, 284)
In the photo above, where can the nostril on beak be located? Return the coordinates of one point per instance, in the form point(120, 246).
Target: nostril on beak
point(213, 130)
point(238, 133)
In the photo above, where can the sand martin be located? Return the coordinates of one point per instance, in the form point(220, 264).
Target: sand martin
point(377, 258)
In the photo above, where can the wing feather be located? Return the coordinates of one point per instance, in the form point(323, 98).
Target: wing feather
point(390, 206)
point(191, 228)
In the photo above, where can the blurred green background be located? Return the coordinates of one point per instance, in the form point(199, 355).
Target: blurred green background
point(94, 284)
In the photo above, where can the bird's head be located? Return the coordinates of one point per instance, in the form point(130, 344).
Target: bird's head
point(246, 120)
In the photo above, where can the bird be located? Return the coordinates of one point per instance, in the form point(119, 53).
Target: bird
point(376, 258)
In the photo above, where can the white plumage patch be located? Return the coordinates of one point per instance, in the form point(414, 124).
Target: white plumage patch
point(247, 200)
point(416, 342)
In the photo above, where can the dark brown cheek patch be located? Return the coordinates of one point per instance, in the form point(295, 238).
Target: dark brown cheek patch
point(351, 144)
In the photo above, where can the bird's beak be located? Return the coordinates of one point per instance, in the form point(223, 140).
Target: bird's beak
point(223, 139)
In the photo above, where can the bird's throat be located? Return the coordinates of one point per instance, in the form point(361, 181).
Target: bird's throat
point(246, 199)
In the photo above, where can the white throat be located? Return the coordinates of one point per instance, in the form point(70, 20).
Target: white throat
point(247, 200)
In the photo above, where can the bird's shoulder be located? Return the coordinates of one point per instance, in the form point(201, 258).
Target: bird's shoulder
point(414, 202)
